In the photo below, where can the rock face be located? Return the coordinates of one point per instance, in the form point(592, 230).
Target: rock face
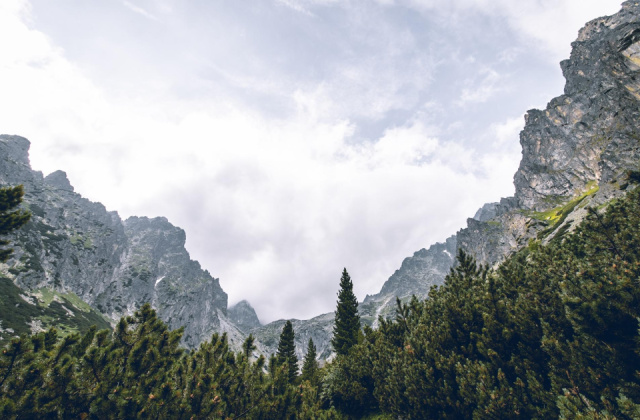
point(243, 316)
point(319, 329)
point(417, 274)
point(575, 153)
point(74, 245)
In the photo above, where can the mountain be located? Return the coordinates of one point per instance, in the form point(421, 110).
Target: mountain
point(74, 247)
point(576, 153)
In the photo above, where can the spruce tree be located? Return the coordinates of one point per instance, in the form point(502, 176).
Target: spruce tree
point(10, 219)
point(286, 354)
point(310, 365)
point(347, 321)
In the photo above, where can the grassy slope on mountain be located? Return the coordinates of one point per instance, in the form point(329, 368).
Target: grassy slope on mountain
point(24, 313)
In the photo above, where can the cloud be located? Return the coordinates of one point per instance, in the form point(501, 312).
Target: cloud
point(139, 10)
point(481, 91)
point(548, 24)
point(295, 5)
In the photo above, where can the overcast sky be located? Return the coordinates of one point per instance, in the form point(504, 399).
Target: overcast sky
point(289, 138)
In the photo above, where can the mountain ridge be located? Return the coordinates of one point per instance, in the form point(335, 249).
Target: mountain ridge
point(73, 245)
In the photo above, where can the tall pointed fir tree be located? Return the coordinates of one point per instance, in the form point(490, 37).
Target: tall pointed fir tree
point(310, 364)
point(286, 354)
point(347, 321)
point(10, 218)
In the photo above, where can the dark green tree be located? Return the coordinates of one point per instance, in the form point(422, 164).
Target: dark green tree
point(347, 321)
point(310, 365)
point(248, 346)
point(286, 354)
point(10, 218)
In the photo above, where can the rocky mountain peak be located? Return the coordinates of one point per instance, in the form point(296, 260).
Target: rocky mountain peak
point(59, 180)
point(244, 316)
point(15, 148)
point(73, 245)
point(586, 136)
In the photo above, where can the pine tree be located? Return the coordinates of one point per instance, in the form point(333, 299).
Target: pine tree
point(10, 219)
point(310, 365)
point(347, 321)
point(286, 354)
point(248, 347)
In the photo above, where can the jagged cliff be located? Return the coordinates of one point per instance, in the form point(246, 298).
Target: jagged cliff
point(73, 245)
point(575, 153)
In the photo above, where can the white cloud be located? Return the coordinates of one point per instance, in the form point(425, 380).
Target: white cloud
point(548, 24)
point(139, 10)
point(483, 90)
point(505, 133)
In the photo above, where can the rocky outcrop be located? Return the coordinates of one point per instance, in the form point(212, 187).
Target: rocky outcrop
point(74, 245)
point(575, 153)
point(416, 276)
point(589, 134)
point(243, 316)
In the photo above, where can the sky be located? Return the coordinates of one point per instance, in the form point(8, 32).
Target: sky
point(288, 138)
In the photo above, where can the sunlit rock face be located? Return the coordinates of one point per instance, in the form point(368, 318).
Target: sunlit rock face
point(575, 153)
point(74, 245)
point(589, 134)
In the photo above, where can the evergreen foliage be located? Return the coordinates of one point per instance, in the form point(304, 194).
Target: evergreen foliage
point(552, 333)
point(10, 218)
point(139, 371)
point(310, 364)
point(248, 346)
point(286, 354)
point(347, 322)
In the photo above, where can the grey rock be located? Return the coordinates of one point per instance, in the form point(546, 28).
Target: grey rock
point(486, 212)
point(243, 316)
point(59, 180)
point(416, 276)
point(74, 245)
point(319, 329)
